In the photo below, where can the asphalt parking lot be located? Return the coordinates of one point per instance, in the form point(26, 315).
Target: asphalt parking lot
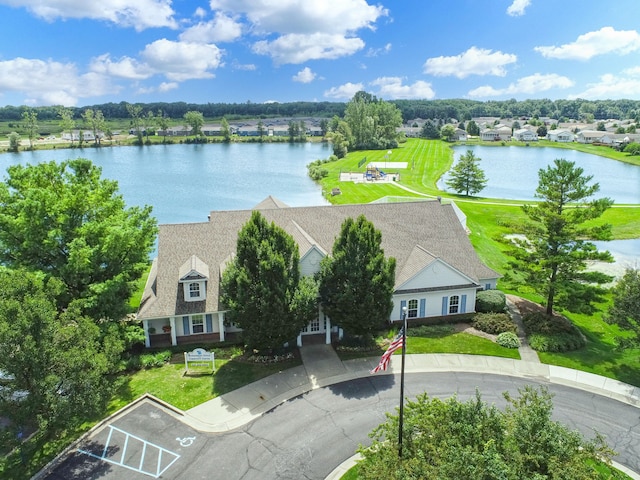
point(148, 440)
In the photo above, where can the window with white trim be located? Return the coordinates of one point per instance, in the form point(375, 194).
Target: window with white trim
point(412, 308)
point(194, 290)
point(314, 325)
point(454, 304)
point(197, 323)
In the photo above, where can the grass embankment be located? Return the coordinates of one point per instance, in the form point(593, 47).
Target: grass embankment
point(489, 220)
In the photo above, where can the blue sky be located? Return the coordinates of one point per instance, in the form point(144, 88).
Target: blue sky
point(83, 52)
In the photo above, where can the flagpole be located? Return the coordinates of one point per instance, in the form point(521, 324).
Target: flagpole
point(404, 349)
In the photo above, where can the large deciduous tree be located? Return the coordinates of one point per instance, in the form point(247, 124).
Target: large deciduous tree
point(467, 176)
point(552, 255)
point(135, 112)
point(96, 122)
point(66, 221)
point(262, 288)
point(195, 120)
point(451, 439)
point(372, 122)
point(56, 365)
point(30, 119)
point(357, 280)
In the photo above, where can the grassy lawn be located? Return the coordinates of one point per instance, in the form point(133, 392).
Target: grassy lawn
point(171, 384)
point(489, 220)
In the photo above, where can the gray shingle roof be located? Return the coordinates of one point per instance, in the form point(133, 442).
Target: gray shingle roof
point(432, 226)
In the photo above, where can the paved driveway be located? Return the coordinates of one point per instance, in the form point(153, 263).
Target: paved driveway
point(308, 436)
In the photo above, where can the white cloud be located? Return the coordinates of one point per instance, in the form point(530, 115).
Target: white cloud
point(518, 7)
point(167, 86)
point(475, 61)
point(249, 67)
point(140, 14)
point(613, 87)
point(221, 29)
point(302, 16)
point(296, 48)
point(126, 67)
point(180, 61)
point(300, 30)
point(304, 76)
point(374, 52)
point(392, 88)
point(34, 78)
point(200, 12)
point(346, 91)
point(604, 41)
point(526, 85)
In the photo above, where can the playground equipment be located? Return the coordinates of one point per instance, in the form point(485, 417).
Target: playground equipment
point(374, 173)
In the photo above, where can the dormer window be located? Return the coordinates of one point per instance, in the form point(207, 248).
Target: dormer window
point(194, 290)
point(194, 274)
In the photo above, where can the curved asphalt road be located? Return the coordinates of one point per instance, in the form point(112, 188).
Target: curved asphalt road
point(307, 436)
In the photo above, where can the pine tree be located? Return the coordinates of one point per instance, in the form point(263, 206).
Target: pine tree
point(357, 281)
point(554, 251)
point(467, 176)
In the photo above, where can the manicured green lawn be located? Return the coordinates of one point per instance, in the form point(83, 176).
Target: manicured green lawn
point(489, 220)
point(171, 384)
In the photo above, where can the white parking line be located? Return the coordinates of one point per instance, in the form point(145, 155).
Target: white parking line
point(147, 447)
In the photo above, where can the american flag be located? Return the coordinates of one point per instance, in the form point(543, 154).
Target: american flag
point(386, 356)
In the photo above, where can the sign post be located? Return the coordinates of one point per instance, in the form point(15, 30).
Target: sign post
point(199, 358)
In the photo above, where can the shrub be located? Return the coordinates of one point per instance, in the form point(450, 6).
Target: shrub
point(552, 334)
point(432, 331)
point(539, 322)
point(153, 360)
point(556, 342)
point(490, 301)
point(494, 323)
point(356, 343)
point(508, 340)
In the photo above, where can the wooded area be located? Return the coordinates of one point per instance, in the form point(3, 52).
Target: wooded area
point(459, 109)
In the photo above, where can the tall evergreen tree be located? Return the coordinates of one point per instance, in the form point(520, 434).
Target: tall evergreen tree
point(357, 281)
point(467, 176)
point(555, 248)
point(262, 286)
point(625, 310)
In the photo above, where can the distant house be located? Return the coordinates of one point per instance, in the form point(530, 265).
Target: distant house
point(525, 135)
point(178, 131)
point(497, 134)
point(437, 270)
point(594, 136)
point(460, 135)
point(74, 136)
point(561, 136)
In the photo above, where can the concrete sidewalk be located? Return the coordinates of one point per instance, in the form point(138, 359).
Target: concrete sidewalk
point(323, 368)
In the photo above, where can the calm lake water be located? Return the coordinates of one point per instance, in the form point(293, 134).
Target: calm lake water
point(512, 172)
point(184, 183)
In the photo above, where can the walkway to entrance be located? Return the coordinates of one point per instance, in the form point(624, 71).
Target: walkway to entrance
point(321, 362)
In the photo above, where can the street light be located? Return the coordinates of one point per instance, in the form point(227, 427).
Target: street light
point(404, 349)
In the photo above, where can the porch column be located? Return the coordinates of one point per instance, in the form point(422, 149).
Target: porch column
point(327, 330)
point(145, 327)
point(221, 325)
point(172, 322)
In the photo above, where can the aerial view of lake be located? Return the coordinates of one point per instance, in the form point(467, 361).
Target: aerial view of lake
point(184, 183)
point(512, 172)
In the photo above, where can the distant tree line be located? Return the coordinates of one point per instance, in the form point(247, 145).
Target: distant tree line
point(445, 110)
